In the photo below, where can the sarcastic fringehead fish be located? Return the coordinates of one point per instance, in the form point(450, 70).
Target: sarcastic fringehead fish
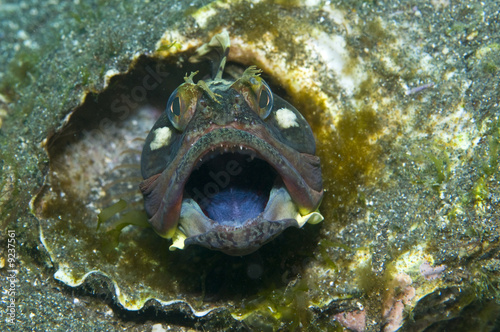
point(229, 165)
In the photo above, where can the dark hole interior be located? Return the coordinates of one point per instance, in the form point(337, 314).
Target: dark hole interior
point(231, 187)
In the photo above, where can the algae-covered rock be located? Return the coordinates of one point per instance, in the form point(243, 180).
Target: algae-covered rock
point(403, 103)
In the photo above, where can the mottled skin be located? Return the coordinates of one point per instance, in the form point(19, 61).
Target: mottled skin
point(228, 117)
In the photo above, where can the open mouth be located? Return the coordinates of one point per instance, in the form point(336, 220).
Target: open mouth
point(235, 201)
point(233, 197)
point(231, 187)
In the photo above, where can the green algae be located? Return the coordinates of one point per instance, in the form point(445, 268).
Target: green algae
point(110, 211)
point(20, 72)
point(491, 165)
point(284, 307)
point(442, 168)
point(261, 20)
point(258, 20)
point(374, 34)
point(350, 160)
point(480, 192)
point(121, 220)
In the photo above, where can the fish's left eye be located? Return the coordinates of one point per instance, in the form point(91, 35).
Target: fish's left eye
point(255, 91)
point(265, 98)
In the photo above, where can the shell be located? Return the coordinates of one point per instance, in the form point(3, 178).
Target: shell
point(391, 202)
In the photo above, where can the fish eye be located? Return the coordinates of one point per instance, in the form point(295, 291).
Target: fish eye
point(181, 105)
point(266, 100)
point(255, 91)
point(174, 108)
point(174, 104)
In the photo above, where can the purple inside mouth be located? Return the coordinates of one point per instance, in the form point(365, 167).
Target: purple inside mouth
point(231, 188)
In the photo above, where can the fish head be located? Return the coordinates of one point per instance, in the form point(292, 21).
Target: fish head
point(229, 165)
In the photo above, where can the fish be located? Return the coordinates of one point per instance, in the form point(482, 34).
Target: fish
point(229, 165)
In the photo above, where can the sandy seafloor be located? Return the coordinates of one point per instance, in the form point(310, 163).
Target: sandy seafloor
point(403, 98)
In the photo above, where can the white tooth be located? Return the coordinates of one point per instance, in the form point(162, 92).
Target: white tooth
point(251, 156)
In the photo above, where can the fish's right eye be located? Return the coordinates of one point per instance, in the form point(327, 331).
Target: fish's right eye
point(182, 104)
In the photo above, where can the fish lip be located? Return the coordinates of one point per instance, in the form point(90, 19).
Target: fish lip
point(243, 240)
point(170, 184)
point(215, 151)
point(279, 214)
